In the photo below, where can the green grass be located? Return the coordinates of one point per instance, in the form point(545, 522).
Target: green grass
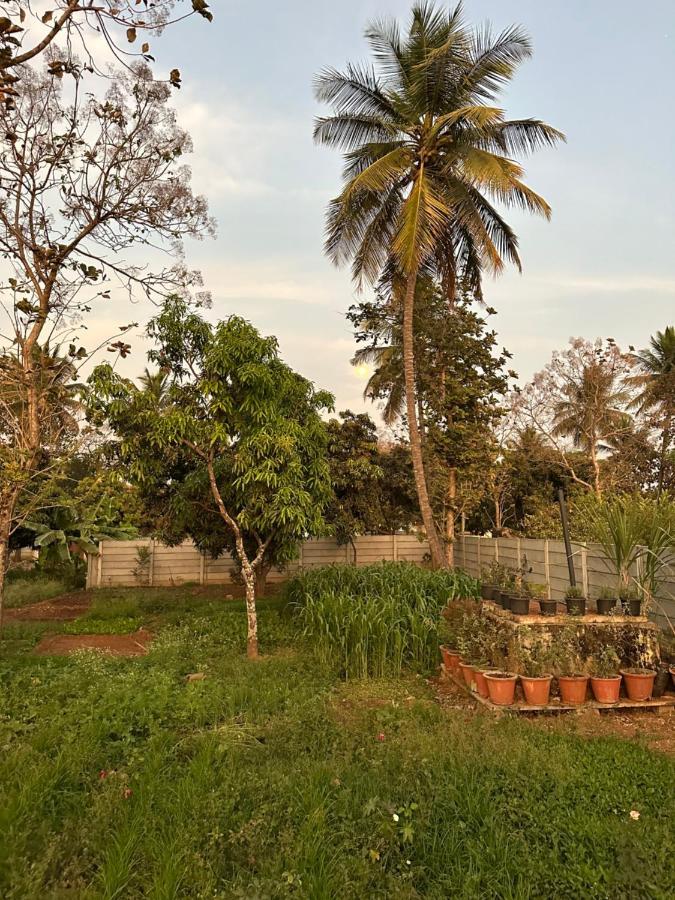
point(22, 591)
point(276, 779)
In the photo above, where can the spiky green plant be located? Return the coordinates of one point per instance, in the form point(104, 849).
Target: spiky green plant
point(376, 620)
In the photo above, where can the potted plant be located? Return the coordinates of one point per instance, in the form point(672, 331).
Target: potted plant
point(566, 655)
point(501, 687)
point(539, 592)
point(447, 634)
point(520, 603)
point(607, 600)
point(535, 675)
point(630, 602)
point(575, 600)
point(605, 678)
point(639, 683)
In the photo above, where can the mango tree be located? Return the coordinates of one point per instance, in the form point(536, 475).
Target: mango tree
point(237, 441)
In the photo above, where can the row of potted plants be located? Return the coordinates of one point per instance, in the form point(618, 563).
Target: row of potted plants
point(517, 600)
point(493, 667)
point(500, 687)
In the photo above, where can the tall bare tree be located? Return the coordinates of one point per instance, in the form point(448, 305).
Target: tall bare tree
point(66, 29)
point(580, 401)
point(85, 183)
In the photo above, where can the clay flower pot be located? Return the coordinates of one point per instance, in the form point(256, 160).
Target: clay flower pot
point(537, 690)
point(548, 607)
point(573, 689)
point(639, 683)
point(606, 690)
point(481, 683)
point(501, 687)
point(468, 673)
point(451, 659)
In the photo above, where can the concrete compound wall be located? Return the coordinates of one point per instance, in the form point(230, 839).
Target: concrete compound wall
point(118, 562)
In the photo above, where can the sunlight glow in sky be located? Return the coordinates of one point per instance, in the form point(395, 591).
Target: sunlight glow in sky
point(603, 266)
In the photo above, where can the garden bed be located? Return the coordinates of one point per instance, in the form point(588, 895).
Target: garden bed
point(135, 644)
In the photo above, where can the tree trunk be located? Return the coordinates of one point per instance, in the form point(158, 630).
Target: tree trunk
point(7, 504)
point(665, 441)
point(597, 487)
point(261, 580)
point(251, 617)
point(437, 555)
point(450, 519)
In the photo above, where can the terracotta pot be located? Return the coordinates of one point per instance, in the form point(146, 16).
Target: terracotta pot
point(639, 683)
point(468, 673)
point(605, 605)
point(606, 690)
point(501, 687)
point(548, 607)
point(537, 690)
point(481, 683)
point(451, 659)
point(573, 689)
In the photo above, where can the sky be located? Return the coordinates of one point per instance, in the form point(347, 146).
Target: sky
point(602, 72)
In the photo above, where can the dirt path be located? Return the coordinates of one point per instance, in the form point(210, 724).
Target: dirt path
point(63, 608)
point(115, 644)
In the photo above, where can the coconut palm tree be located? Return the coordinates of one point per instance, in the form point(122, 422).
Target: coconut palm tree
point(428, 158)
point(656, 378)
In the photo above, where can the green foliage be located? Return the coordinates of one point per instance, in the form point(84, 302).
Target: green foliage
point(373, 488)
point(375, 620)
point(33, 587)
point(231, 447)
point(268, 779)
point(637, 534)
point(605, 662)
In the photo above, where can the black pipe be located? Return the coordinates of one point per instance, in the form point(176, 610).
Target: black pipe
point(566, 536)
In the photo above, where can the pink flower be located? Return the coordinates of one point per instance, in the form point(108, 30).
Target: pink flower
point(102, 774)
point(380, 736)
point(126, 793)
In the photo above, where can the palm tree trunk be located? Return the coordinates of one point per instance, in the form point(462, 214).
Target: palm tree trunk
point(437, 555)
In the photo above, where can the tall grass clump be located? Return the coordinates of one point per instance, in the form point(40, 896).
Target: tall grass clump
point(375, 620)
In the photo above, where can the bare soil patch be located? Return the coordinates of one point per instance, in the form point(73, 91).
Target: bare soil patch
point(135, 644)
point(63, 608)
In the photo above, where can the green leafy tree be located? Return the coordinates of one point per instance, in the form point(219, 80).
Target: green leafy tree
point(459, 379)
point(656, 380)
point(237, 437)
point(427, 156)
point(373, 487)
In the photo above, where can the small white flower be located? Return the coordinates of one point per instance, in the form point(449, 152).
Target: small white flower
point(634, 814)
point(395, 817)
point(407, 862)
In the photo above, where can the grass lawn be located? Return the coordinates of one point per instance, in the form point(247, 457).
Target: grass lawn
point(274, 779)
